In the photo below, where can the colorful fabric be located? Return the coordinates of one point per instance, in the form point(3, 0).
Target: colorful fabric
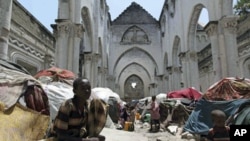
point(219, 134)
point(228, 89)
point(56, 73)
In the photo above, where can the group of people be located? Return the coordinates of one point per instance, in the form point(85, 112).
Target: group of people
point(129, 113)
point(71, 122)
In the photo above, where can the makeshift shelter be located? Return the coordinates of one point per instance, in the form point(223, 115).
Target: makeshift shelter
point(229, 88)
point(189, 93)
point(241, 116)
point(199, 121)
point(227, 95)
point(24, 107)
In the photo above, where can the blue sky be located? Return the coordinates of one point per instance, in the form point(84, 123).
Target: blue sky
point(46, 10)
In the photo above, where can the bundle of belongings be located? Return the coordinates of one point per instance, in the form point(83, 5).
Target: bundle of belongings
point(24, 107)
point(230, 95)
point(58, 85)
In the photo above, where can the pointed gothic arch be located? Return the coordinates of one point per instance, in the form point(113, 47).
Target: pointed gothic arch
point(134, 69)
point(133, 88)
point(135, 35)
point(131, 64)
point(134, 50)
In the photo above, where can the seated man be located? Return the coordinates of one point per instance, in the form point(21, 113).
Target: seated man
point(71, 122)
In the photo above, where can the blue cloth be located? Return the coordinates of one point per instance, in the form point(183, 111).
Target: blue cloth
point(199, 121)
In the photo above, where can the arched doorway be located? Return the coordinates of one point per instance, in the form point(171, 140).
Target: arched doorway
point(133, 88)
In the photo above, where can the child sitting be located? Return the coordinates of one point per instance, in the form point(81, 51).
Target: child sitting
point(219, 131)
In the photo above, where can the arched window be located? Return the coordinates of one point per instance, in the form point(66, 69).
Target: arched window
point(135, 35)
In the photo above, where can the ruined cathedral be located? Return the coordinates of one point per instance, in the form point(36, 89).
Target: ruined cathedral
point(135, 55)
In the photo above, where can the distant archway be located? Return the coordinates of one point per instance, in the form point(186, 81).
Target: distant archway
point(133, 88)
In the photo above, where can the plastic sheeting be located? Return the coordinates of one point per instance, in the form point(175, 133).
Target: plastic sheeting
point(57, 93)
point(104, 94)
point(199, 122)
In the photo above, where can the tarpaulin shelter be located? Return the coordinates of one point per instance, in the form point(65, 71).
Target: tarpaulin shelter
point(189, 93)
point(24, 108)
point(229, 88)
point(199, 121)
point(17, 86)
point(227, 95)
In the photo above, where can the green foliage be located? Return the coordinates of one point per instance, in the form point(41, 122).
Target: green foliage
point(242, 7)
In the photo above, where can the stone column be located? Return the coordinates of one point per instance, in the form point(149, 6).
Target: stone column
point(193, 72)
point(176, 78)
point(78, 34)
point(212, 31)
point(5, 22)
point(184, 69)
point(61, 31)
point(87, 66)
point(229, 44)
point(94, 72)
point(104, 80)
point(170, 77)
point(152, 87)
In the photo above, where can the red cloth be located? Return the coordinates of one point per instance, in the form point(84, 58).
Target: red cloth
point(56, 72)
point(189, 93)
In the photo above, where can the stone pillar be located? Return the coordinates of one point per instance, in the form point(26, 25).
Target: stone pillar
point(78, 34)
point(184, 69)
point(152, 87)
point(229, 45)
point(61, 31)
point(170, 77)
point(165, 83)
point(88, 66)
point(104, 80)
point(5, 22)
point(193, 73)
point(160, 83)
point(176, 78)
point(94, 71)
point(212, 31)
